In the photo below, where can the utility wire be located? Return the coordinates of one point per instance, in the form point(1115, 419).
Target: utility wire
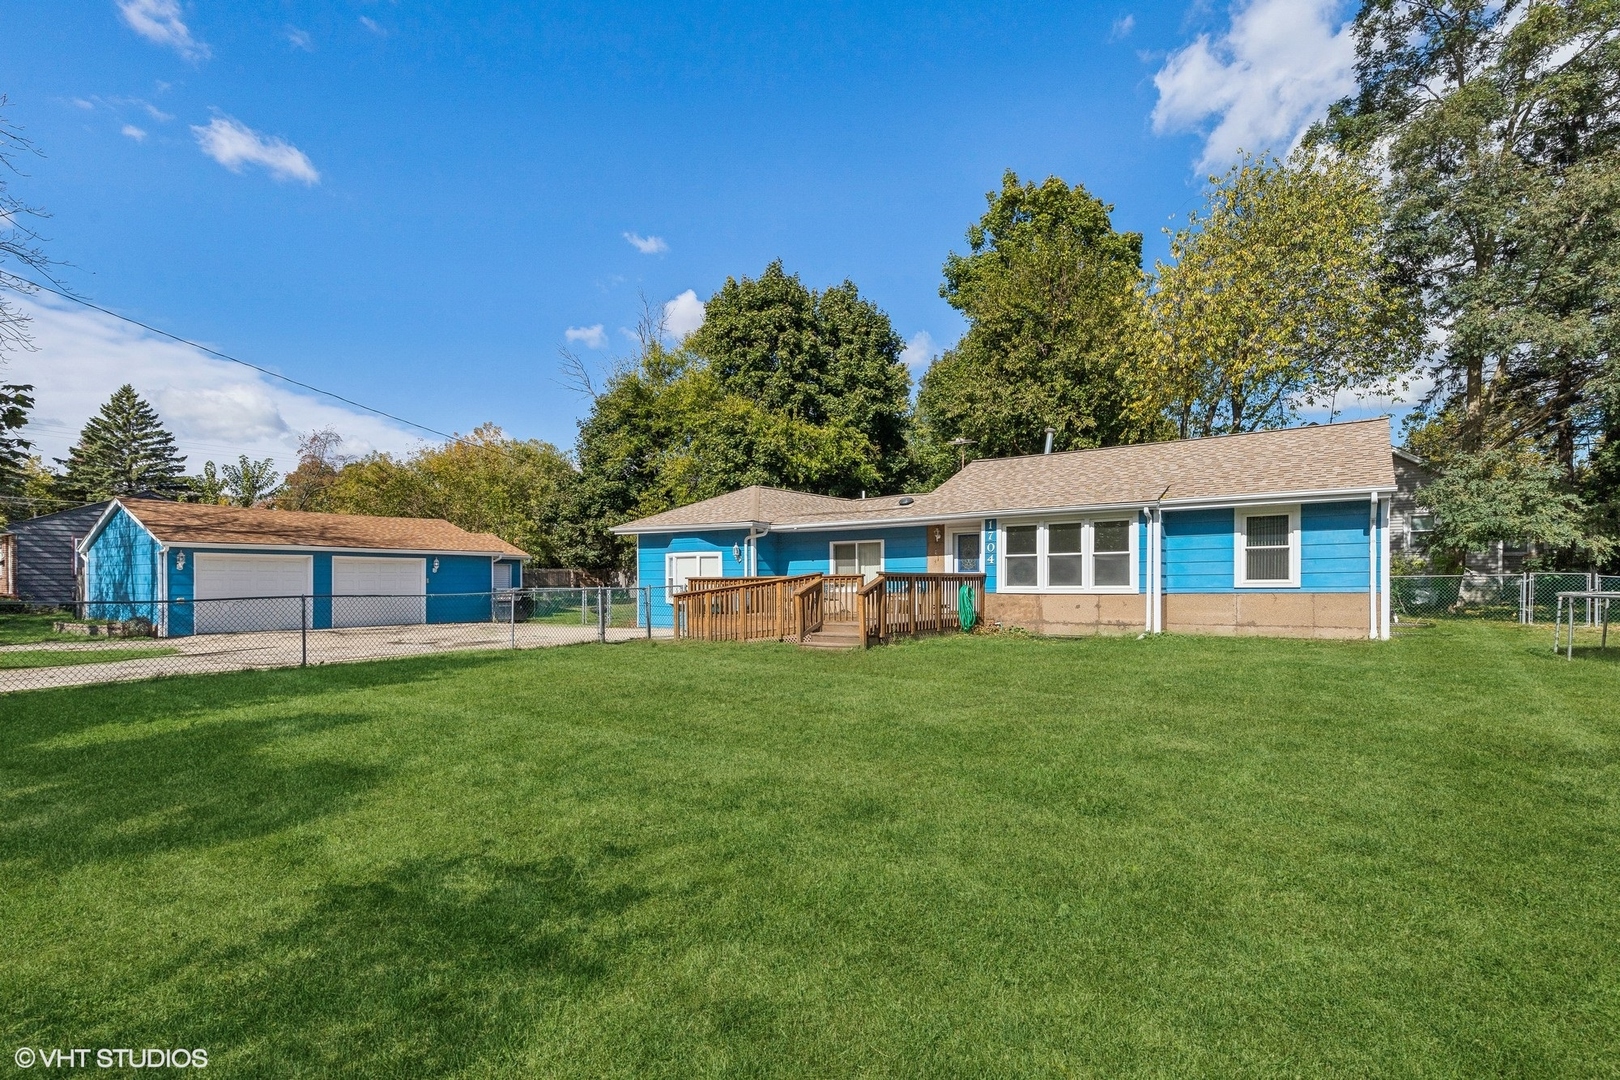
point(226, 356)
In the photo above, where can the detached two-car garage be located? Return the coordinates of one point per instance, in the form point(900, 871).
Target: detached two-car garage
point(322, 571)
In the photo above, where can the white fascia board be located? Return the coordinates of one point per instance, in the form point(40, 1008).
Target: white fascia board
point(204, 548)
point(717, 526)
point(1338, 495)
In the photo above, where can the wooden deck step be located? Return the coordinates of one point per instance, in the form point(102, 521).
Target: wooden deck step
point(840, 638)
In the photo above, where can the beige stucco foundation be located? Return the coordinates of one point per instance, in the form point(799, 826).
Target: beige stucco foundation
point(1299, 614)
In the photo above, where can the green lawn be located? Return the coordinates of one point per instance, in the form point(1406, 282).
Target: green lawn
point(25, 628)
point(959, 857)
point(38, 658)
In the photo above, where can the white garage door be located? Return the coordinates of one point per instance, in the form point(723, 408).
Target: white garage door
point(378, 592)
point(238, 593)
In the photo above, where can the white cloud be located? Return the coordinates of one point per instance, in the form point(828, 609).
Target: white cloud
point(300, 39)
point(216, 409)
point(233, 144)
point(593, 337)
point(159, 21)
point(647, 245)
point(1260, 84)
point(1122, 28)
point(919, 351)
point(134, 132)
point(83, 104)
point(371, 24)
point(683, 315)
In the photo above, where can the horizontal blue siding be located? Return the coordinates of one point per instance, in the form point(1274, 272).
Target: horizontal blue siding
point(905, 550)
point(1200, 549)
point(652, 547)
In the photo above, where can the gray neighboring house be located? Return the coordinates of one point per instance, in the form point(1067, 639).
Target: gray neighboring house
point(42, 566)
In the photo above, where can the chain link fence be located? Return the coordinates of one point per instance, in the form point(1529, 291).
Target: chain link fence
point(113, 642)
point(1522, 598)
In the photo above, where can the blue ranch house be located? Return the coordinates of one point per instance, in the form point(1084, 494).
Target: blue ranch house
point(192, 568)
point(1276, 532)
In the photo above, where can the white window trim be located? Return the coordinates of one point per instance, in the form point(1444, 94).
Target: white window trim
point(832, 559)
point(1240, 541)
point(669, 569)
point(1087, 525)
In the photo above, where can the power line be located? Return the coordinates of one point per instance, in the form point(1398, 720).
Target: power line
point(226, 356)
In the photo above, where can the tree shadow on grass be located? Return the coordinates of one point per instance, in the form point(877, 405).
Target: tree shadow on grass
point(435, 966)
point(117, 772)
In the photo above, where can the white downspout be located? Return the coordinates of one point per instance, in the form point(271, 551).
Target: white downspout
point(163, 592)
point(1372, 565)
point(751, 547)
point(1147, 584)
point(1384, 572)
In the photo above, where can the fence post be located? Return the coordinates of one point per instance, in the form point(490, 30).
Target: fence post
point(303, 631)
point(511, 615)
point(647, 590)
point(601, 614)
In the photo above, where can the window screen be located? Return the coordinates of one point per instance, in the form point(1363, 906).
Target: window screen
point(1019, 555)
point(1064, 563)
point(1111, 553)
point(1266, 547)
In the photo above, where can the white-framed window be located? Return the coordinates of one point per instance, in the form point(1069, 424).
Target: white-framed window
point(1267, 547)
point(863, 557)
point(1069, 555)
point(681, 567)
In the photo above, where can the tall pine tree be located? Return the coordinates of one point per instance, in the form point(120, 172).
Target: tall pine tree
point(124, 449)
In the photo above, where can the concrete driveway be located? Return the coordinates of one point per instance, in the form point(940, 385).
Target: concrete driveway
point(283, 648)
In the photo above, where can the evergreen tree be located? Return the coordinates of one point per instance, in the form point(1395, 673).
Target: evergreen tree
point(122, 450)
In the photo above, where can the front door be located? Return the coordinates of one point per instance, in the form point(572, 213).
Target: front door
point(864, 558)
point(965, 553)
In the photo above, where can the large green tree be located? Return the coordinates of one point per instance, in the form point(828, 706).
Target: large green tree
point(1279, 295)
point(1499, 121)
point(1054, 300)
point(809, 360)
point(484, 482)
point(123, 449)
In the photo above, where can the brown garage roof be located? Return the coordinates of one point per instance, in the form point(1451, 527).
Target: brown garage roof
point(202, 524)
point(1337, 458)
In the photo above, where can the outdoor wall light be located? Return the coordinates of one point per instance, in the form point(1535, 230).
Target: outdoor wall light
point(435, 566)
point(736, 552)
point(179, 560)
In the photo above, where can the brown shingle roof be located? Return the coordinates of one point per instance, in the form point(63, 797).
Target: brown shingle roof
point(199, 523)
point(1293, 461)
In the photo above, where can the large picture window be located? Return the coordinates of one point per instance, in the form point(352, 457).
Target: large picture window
point(1089, 555)
point(1267, 553)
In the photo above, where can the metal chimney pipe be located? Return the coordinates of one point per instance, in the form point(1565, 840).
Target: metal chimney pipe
point(1051, 431)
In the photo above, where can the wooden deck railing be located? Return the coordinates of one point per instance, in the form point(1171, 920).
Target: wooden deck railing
point(791, 608)
point(744, 609)
point(906, 605)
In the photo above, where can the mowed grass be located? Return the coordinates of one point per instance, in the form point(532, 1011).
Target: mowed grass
point(959, 857)
point(38, 658)
point(27, 627)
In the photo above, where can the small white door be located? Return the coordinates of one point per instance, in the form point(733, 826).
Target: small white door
point(370, 591)
point(240, 593)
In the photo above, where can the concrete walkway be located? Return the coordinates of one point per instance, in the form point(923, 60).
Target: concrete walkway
point(283, 648)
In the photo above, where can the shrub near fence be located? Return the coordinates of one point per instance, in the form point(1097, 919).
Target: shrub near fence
point(1522, 598)
point(108, 642)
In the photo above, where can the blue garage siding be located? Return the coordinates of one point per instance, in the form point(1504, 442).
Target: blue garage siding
point(123, 575)
point(1199, 549)
point(652, 547)
point(905, 550)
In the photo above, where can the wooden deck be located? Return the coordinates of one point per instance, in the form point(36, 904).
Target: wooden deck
point(835, 610)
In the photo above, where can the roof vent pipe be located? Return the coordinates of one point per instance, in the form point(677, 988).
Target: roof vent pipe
point(1051, 431)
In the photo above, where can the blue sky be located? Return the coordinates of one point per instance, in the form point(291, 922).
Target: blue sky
point(412, 205)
